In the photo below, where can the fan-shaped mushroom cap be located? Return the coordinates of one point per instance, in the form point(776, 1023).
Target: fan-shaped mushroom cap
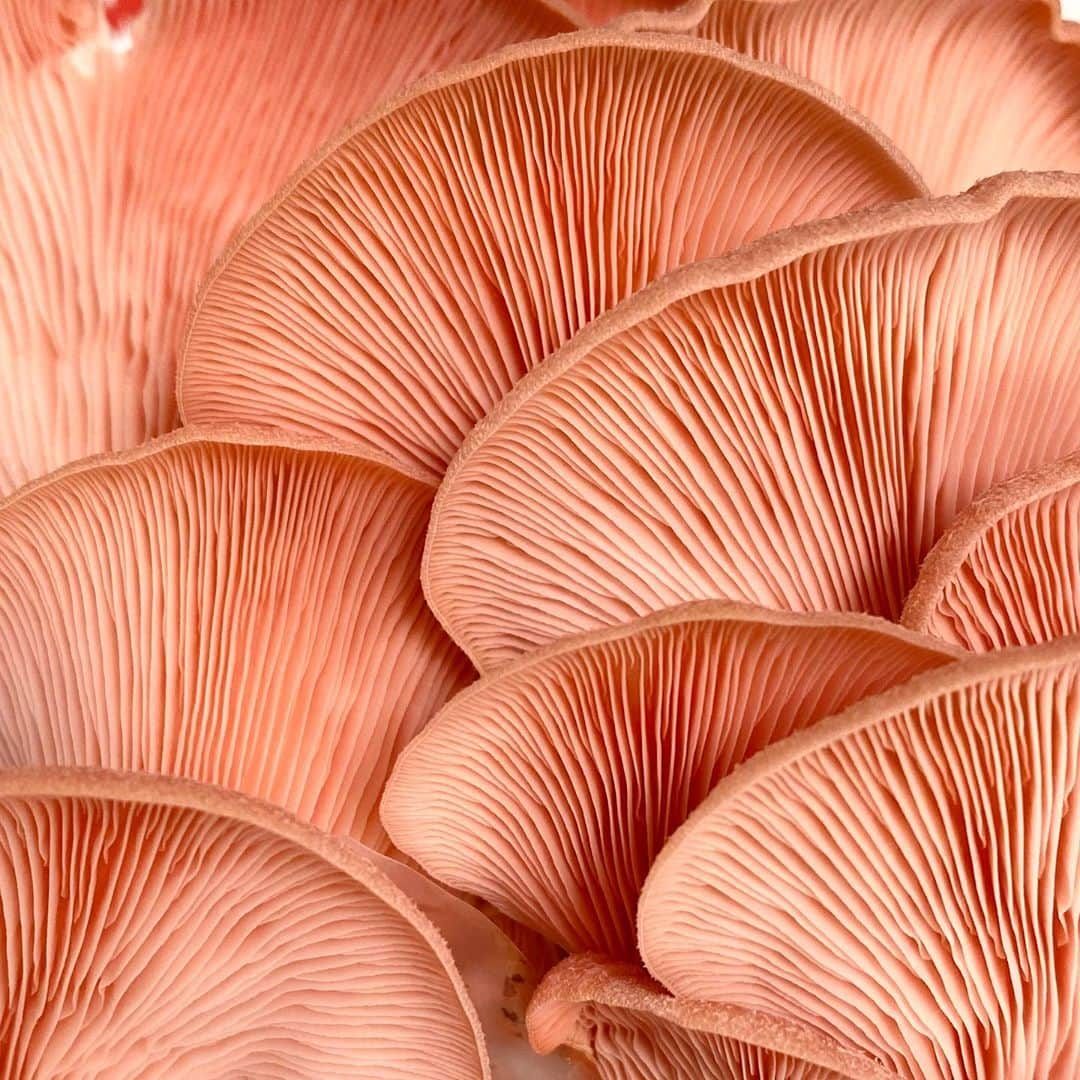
point(966, 88)
point(793, 425)
point(132, 154)
point(904, 875)
point(619, 1019)
point(549, 789)
point(226, 605)
point(1008, 571)
point(157, 928)
point(428, 258)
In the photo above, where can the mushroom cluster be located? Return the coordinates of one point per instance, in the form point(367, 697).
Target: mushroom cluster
point(540, 540)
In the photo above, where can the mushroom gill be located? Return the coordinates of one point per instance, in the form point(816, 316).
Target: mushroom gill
point(966, 88)
point(1008, 571)
point(549, 788)
point(614, 1016)
point(166, 929)
point(903, 876)
point(135, 142)
point(792, 425)
point(444, 245)
point(232, 606)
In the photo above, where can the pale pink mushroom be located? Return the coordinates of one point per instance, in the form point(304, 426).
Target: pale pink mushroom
point(434, 253)
point(136, 138)
point(549, 789)
point(966, 88)
point(1008, 571)
point(903, 876)
point(614, 1016)
point(166, 929)
point(226, 605)
point(793, 425)
point(499, 974)
point(597, 12)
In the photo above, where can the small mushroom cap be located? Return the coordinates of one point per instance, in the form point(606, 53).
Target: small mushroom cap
point(229, 605)
point(166, 929)
point(903, 876)
point(131, 155)
point(1008, 570)
point(966, 88)
point(443, 246)
point(615, 1016)
point(793, 425)
point(549, 789)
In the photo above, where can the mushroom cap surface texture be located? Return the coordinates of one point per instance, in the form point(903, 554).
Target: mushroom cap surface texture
point(904, 875)
point(133, 152)
point(169, 929)
point(550, 788)
point(966, 88)
point(234, 606)
point(617, 1018)
point(1008, 570)
point(436, 251)
point(792, 425)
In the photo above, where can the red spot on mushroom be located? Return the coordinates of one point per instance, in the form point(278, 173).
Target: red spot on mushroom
point(120, 13)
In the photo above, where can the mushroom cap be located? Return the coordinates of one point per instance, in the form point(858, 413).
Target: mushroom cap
point(615, 1016)
point(903, 876)
point(235, 606)
point(132, 154)
point(1008, 570)
point(163, 928)
point(792, 425)
point(396, 288)
point(966, 88)
point(549, 788)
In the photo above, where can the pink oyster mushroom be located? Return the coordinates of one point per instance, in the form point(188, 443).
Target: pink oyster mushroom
point(792, 425)
point(440, 248)
point(966, 88)
point(137, 137)
point(903, 875)
point(1006, 572)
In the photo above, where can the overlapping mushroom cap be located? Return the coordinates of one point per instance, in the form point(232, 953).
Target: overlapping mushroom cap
point(966, 88)
point(160, 929)
point(226, 605)
point(1008, 571)
point(620, 1020)
point(132, 151)
point(549, 789)
point(904, 876)
point(434, 253)
point(793, 425)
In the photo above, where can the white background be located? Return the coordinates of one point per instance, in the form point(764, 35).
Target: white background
point(1071, 9)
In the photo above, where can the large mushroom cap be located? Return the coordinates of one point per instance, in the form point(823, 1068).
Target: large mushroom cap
point(904, 875)
point(428, 258)
point(966, 88)
point(164, 929)
point(793, 425)
point(131, 154)
point(226, 605)
point(1008, 571)
point(550, 788)
point(614, 1016)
